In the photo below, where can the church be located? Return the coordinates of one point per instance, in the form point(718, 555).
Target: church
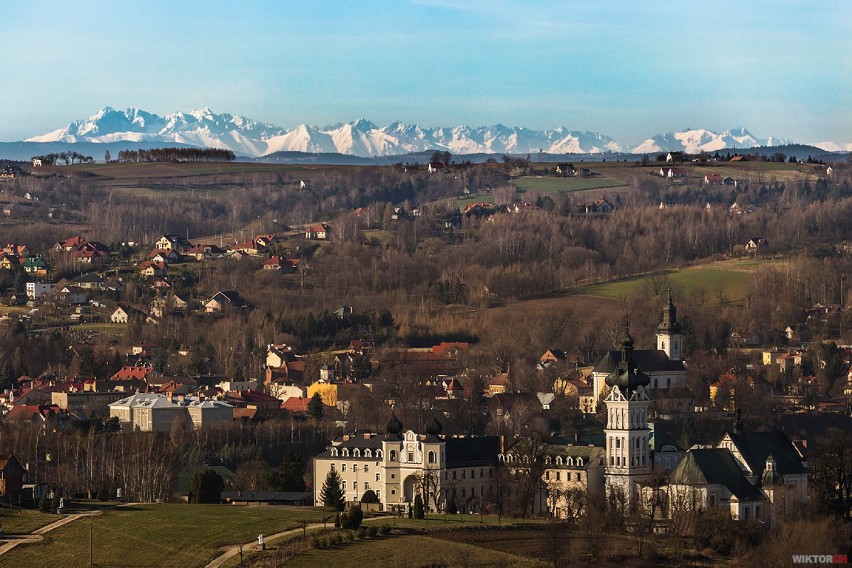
point(664, 366)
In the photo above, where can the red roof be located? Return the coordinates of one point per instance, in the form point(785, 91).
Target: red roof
point(130, 372)
point(296, 404)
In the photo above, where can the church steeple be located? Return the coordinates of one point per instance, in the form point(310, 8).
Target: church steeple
point(670, 332)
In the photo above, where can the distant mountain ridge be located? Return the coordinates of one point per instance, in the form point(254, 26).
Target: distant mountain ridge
point(363, 138)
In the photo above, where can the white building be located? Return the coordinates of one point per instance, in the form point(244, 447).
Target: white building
point(36, 290)
point(402, 464)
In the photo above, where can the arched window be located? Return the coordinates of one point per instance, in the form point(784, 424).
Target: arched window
point(580, 462)
point(431, 457)
point(368, 453)
point(356, 453)
point(379, 454)
point(569, 461)
point(345, 452)
point(393, 455)
point(334, 452)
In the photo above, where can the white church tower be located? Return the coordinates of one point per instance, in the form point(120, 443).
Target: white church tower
point(670, 332)
point(628, 455)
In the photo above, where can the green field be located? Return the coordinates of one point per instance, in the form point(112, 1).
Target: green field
point(409, 551)
point(557, 184)
point(733, 282)
point(157, 535)
point(25, 521)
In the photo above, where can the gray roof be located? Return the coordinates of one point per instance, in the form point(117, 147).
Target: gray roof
point(714, 466)
point(755, 447)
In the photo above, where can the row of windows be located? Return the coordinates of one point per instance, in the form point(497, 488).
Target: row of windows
point(619, 461)
point(472, 473)
point(558, 476)
point(355, 469)
point(356, 453)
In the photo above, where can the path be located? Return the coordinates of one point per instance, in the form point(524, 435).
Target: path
point(251, 546)
point(38, 534)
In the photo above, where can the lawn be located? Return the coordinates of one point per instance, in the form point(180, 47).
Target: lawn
point(157, 535)
point(412, 550)
point(733, 282)
point(25, 521)
point(557, 184)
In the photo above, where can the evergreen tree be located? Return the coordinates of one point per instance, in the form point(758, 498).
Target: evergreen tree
point(7, 376)
point(316, 406)
point(332, 492)
point(419, 513)
point(206, 487)
point(107, 157)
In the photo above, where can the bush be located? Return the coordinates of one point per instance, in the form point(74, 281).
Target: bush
point(44, 503)
point(317, 543)
point(384, 529)
point(350, 536)
point(370, 497)
point(352, 518)
point(337, 539)
point(372, 532)
point(362, 532)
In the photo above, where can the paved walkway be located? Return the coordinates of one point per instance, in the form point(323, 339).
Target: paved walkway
point(252, 546)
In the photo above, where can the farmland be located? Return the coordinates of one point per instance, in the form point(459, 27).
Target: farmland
point(566, 184)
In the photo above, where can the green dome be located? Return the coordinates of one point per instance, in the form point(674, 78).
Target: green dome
point(627, 377)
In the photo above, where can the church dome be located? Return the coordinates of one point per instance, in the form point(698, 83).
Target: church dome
point(433, 428)
point(770, 473)
point(627, 377)
point(394, 426)
point(669, 322)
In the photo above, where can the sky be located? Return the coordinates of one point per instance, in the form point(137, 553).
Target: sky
point(625, 69)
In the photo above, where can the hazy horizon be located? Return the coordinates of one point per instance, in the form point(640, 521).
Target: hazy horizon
point(777, 68)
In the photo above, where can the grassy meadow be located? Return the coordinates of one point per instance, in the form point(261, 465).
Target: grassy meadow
point(157, 535)
point(553, 184)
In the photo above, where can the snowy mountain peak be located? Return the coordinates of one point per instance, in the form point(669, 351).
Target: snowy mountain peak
point(361, 137)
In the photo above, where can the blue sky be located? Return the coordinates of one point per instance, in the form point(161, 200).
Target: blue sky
point(625, 69)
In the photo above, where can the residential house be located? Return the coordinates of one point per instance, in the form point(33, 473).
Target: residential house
point(757, 245)
point(36, 290)
point(251, 248)
point(124, 313)
point(712, 179)
point(89, 281)
point(318, 231)
point(73, 295)
point(278, 264)
point(202, 252)
point(165, 256)
point(566, 170)
point(12, 477)
point(161, 306)
point(224, 300)
point(172, 242)
point(673, 173)
point(70, 244)
point(152, 269)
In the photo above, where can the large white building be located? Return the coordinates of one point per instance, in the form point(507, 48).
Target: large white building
point(402, 464)
point(143, 412)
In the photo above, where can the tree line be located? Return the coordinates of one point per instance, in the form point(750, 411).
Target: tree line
point(177, 155)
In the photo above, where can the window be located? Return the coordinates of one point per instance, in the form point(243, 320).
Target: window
point(393, 455)
point(366, 468)
point(343, 467)
point(464, 492)
point(368, 453)
point(378, 494)
point(393, 491)
point(378, 477)
point(481, 473)
point(411, 456)
point(356, 453)
point(579, 477)
point(668, 383)
point(379, 454)
point(344, 486)
point(393, 476)
point(431, 457)
point(355, 486)
point(464, 473)
point(618, 442)
point(332, 467)
point(454, 475)
point(547, 475)
point(656, 385)
point(558, 476)
point(334, 452)
point(345, 452)
point(366, 485)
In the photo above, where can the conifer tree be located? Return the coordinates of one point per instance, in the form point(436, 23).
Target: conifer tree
point(332, 492)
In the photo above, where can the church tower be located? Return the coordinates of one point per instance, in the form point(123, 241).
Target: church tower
point(628, 455)
point(670, 332)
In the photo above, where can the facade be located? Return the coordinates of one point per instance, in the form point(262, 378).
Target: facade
point(206, 413)
point(628, 450)
point(146, 413)
point(402, 464)
point(82, 403)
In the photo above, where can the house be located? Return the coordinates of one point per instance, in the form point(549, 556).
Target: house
point(251, 248)
point(73, 295)
point(757, 245)
point(265, 241)
point(166, 256)
point(319, 231)
point(674, 157)
point(714, 179)
point(89, 281)
point(172, 242)
point(202, 252)
point(17, 250)
point(600, 206)
point(124, 313)
point(162, 306)
point(278, 264)
point(673, 173)
point(36, 290)
point(12, 477)
point(152, 269)
point(435, 167)
point(565, 170)
point(224, 300)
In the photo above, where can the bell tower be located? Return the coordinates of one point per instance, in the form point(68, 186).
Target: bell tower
point(670, 332)
point(628, 455)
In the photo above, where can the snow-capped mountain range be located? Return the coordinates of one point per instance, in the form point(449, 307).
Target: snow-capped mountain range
point(247, 137)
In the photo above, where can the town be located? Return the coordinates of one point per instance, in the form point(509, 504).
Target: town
point(661, 351)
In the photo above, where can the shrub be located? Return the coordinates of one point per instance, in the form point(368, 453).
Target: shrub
point(384, 529)
point(317, 543)
point(362, 532)
point(372, 532)
point(352, 518)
